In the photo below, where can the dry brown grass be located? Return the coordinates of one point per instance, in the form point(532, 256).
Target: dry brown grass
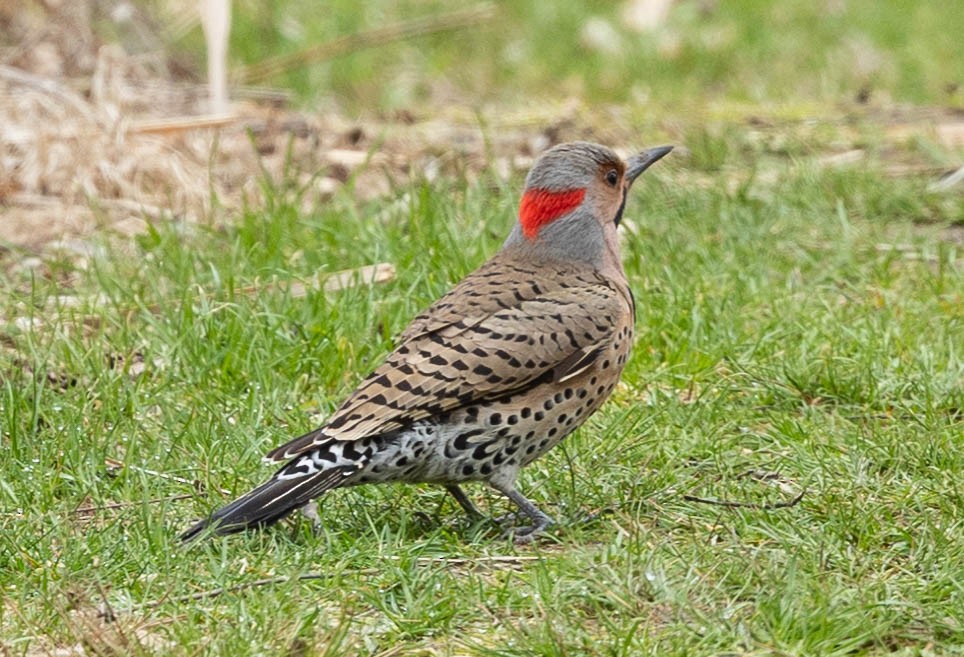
point(94, 139)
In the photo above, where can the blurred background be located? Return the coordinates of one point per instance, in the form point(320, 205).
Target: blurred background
point(677, 56)
point(108, 100)
point(674, 55)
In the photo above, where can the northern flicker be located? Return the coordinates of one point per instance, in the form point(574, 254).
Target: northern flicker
point(495, 373)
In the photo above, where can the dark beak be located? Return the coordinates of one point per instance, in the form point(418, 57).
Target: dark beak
point(635, 166)
point(639, 163)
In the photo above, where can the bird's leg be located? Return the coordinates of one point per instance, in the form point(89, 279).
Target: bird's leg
point(511, 516)
point(539, 519)
point(310, 511)
point(463, 501)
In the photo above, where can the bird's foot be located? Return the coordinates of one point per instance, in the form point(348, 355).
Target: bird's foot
point(524, 534)
point(521, 535)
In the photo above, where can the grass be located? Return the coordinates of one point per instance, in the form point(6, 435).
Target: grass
point(800, 330)
point(783, 346)
point(707, 53)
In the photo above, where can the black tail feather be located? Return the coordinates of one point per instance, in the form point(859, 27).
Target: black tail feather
point(297, 446)
point(269, 502)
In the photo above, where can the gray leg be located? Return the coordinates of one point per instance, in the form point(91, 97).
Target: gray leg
point(463, 500)
point(511, 516)
point(539, 519)
point(310, 511)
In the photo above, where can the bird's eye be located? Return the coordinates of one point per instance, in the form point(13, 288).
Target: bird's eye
point(612, 177)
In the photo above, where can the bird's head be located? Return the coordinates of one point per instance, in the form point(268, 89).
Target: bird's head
point(574, 198)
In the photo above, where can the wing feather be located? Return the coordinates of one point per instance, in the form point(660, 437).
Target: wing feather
point(471, 347)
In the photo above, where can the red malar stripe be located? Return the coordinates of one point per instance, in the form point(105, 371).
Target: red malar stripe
point(540, 206)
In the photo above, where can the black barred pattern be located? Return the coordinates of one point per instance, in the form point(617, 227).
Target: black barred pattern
point(512, 360)
point(476, 440)
point(502, 330)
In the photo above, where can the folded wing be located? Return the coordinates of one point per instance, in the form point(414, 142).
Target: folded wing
point(488, 338)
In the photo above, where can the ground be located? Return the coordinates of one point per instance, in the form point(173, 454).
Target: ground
point(777, 474)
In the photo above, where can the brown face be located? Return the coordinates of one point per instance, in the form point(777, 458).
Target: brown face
point(577, 174)
point(610, 191)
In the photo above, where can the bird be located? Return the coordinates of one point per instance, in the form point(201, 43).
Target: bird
point(490, 377)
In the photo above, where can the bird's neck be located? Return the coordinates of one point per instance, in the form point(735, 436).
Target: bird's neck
point(612, 262)
point(576, 239)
